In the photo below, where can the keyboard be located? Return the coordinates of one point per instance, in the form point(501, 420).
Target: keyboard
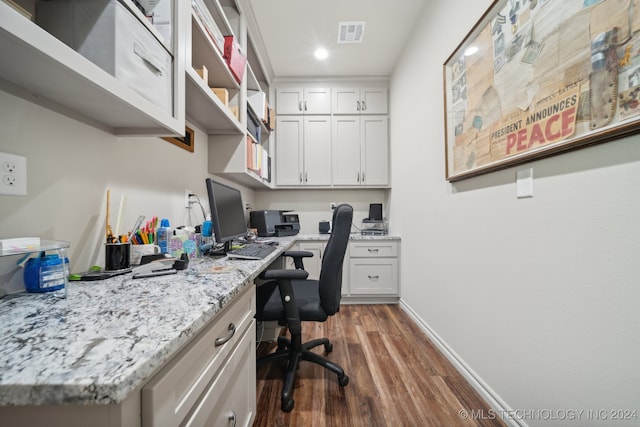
point(252, 251)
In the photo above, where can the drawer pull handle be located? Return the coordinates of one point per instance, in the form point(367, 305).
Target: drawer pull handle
point(232, 417)
point(373, 250)
point(223, 340)
point(374, 277)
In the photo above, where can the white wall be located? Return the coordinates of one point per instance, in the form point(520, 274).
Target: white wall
point(539, 297)
point(70, 166)
point(313, 206)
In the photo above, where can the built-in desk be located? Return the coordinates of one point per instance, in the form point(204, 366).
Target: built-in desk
point(86, 359)
point(129, 352)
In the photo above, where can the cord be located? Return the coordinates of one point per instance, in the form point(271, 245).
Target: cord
point(204, 216)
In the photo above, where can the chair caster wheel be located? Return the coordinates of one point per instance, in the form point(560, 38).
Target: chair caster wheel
point(328, 348)
point(287, 405)
point(343, 380)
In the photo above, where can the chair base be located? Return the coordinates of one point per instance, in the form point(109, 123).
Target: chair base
point(296, 352)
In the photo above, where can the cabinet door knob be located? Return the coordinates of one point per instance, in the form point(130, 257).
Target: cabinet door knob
point(373, 250)
point(300, 178)
point(374, 277)
point(305, 105)
point(358, 177)
point(306, 177)
point(299, 105)
point(221, 341)
point(363, 177)
point(364, 106)
point(358, 107)
point(233, 418)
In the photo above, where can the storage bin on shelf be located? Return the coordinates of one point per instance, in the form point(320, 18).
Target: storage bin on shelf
point(109, 35)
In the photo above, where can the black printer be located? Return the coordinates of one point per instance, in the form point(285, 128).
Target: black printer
point(271, 223)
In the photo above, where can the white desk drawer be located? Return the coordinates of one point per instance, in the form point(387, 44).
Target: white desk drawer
point(373, 276)
point(373, 249)
point(230, 399)
point(170, 396)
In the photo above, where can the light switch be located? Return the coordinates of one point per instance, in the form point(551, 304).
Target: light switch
point(524, 183)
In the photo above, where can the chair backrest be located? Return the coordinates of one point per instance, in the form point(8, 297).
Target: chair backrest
point(330, 282)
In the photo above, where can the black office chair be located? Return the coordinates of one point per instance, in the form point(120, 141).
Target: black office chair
point(291, 299)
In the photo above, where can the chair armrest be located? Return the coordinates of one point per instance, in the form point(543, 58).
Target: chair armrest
point(297, 257)
point(284, 274)
point(296, 254)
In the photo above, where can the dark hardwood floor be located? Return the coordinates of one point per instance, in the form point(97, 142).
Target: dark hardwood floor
point(397, 378)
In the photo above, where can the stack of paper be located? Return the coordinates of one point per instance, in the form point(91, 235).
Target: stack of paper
point(19, 243)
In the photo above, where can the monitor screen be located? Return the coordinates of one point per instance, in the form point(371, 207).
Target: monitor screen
point(227, 211)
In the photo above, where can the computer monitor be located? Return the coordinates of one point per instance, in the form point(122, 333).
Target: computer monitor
point(227, 212)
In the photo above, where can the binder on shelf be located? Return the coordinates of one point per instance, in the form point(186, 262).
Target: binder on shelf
point(258, 101)
point(249, 153)
point(253, 125)
point(236, 60)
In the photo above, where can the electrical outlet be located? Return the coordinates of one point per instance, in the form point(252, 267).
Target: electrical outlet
point(13, 169)
point(9, 166)
point(187, 201)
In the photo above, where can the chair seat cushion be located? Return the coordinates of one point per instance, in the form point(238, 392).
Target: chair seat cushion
point(306, 295)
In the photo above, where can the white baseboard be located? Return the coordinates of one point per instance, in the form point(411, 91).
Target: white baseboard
point(490, 396)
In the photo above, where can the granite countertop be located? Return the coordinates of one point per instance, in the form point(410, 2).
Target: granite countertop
point(108, 337)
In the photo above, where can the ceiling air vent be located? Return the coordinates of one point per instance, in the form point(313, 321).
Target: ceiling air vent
point(350, 32)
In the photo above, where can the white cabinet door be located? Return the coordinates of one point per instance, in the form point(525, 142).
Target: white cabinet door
point(375, 150)
point(317, 101)
point(317, 150)
point(346, 150)
point(373, 101)
point(345, 101)
point(303, 101)
point(289, 101)
point(303, 150)
point(289, 154)
point(359, 101)
point(360, 150)
point(312, 265)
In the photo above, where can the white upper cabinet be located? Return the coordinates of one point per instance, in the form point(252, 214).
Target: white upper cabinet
point(45, 70)
point(356, 100)
point(303, 147)
point(360, 151)
point(303, 101)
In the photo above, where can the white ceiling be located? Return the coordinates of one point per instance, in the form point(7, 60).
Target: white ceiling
point(290, 30)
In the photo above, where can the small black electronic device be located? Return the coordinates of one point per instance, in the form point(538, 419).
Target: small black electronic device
point(324, 227)
point(375, 211)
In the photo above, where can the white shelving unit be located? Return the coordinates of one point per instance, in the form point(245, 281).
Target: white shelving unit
point(230, 142)
point(45, 71)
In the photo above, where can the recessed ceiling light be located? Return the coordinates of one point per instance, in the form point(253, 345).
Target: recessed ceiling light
point(321, 53)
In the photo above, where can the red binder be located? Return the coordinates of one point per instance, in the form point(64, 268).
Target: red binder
point(235, 59)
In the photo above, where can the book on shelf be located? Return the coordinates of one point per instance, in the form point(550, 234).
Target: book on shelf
point(19, 243)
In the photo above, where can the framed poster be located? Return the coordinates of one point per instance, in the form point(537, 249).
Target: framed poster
point(538, 77)
point(187, 141)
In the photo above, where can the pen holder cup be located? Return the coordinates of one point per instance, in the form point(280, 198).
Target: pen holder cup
point(137, 251)
point(117, 256)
